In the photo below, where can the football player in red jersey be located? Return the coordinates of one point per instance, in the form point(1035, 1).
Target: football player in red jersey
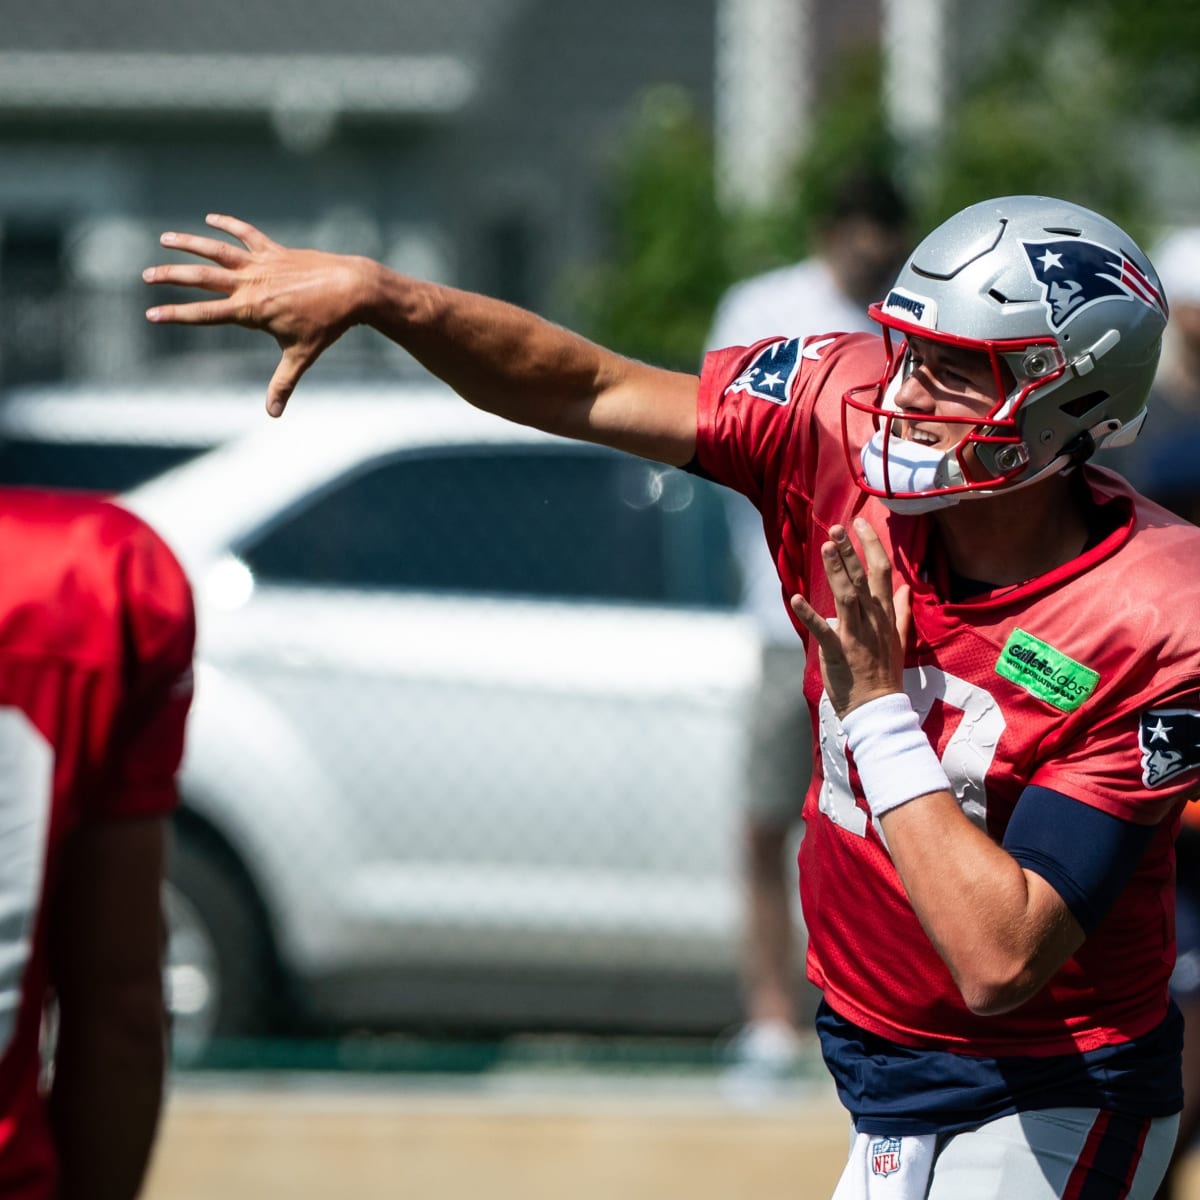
point(96, 633)
point(1007, 706)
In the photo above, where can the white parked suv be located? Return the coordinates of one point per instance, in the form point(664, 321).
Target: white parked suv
point(470, 714)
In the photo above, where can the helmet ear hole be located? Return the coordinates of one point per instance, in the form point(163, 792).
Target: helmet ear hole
point(1080, 405)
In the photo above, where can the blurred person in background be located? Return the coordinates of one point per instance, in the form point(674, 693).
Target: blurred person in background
point(1164, 464)
point(1007, 737)
point(860, 238)
point(861, 234)
point(96, 637)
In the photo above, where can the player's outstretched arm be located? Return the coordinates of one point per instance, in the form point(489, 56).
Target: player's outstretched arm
point(497, 356)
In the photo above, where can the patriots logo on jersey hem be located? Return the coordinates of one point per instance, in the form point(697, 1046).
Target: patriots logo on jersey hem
point(1170, 743)
point(1075, 273)
point(770, 375)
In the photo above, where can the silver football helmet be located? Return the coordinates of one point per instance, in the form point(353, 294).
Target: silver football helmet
point(1070, 313)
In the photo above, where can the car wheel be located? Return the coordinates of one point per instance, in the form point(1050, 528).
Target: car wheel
point(219, 964)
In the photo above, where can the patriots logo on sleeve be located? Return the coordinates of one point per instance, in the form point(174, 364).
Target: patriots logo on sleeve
point(1170, 743)
point(1075, 273)
point(770, 375)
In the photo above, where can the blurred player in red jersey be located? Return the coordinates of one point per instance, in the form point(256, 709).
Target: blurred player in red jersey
point(1007, 708)
point(96, 634)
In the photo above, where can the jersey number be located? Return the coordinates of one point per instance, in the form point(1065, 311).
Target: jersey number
point(966, 759)
point(26, 783)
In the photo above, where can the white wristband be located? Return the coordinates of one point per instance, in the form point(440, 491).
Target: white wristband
point(895, 761)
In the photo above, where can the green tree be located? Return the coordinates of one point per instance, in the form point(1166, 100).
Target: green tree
point(1051, 123)
point(654, 296)
point(674, 252)
point(1158, 47)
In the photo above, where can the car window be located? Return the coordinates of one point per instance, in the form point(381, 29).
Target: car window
point(519, 521)
point(91, 466)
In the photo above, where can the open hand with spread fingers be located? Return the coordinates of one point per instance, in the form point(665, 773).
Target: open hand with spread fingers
point(862, 656)
point(306, 299)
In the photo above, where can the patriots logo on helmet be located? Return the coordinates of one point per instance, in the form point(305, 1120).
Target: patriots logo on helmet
point(1169, 739)
point(769, 376)
point(1075, 273)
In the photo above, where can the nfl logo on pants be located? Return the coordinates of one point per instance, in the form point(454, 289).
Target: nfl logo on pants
point(885, 1156)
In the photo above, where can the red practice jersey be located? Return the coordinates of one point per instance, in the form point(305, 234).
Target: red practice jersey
point(96, 636)
point(1085, 681)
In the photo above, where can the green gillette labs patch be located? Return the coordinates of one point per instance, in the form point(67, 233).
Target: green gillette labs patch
point(1045, 672)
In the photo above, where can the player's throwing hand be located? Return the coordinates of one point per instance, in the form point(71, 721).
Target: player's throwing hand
point(306, 299)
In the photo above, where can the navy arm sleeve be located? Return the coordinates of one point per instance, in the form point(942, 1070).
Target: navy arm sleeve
point(1086, 855)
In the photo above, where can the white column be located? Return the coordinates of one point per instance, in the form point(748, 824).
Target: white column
point(762, 96)
point(915, 42)
point(105, 299)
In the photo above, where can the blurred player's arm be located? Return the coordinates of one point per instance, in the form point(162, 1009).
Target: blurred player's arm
point(497, 356)
point(106, 955)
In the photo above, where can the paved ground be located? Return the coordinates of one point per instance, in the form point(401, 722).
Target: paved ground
point(524, 1133)
point(534, 1137)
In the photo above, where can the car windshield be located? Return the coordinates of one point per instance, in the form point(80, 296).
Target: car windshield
point(89, 466)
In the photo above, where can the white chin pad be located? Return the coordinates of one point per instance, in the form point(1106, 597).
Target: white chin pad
point(911, 467)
